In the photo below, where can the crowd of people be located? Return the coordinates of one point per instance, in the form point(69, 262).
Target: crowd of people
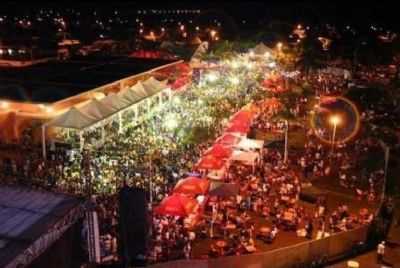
point(266, 204)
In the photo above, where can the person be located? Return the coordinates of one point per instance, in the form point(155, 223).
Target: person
point(187, 250)
point(380, 252)
point(309, 230)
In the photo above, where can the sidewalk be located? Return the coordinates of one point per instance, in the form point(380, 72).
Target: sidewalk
point(368, 260)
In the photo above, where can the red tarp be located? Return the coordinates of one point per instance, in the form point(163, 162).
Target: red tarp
point(228, 139)
point(240, 128)
point(219, 151)
point(176, 205)
point(210, 162)
point(192, 185)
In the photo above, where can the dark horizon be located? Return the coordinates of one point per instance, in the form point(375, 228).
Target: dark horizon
point(339, 12)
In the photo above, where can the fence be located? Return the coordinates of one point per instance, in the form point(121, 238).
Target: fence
point(302, 253)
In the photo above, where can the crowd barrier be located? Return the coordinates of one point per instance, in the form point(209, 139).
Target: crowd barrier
point(291, 256)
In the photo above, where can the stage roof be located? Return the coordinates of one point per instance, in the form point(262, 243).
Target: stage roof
point(26, 215)
point(53, 81)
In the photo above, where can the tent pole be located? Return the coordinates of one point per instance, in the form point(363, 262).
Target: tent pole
point(160, 98)
point(119, 122)
point(44, 142)
point(81, 141)
point(148, 104)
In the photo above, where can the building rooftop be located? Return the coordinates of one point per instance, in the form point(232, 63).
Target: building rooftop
point(26, 215)
point(53, 81)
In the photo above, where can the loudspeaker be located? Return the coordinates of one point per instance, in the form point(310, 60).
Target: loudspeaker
point(133, 224)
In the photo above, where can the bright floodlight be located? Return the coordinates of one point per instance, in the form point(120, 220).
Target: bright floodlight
point(49, 109)
point(334, 120)
point(235, 64)
point(171, 123)
point(235, 80)
point(212, 77)
point(267, 54)
point(279, 45)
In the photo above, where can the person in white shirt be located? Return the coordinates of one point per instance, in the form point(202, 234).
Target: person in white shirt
point(380, 252)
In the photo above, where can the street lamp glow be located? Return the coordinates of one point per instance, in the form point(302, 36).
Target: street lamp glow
point(279, 45)
point(4, 105)
point(213, 33)
point(267, 54)
point(335, 120)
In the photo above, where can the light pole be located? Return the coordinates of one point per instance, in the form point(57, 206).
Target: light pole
point(334, 120)
point(151, 181)
point(387, 154)
point(285, 158)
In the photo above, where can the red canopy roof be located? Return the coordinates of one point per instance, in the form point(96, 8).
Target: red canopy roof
point(243, 116)
point(210, 162)
point(176, 205)
point(192, 185)
point(241, 128)
point(228, 139)
point(219, 151)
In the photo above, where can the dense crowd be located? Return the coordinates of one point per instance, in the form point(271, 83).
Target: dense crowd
point(266, 203)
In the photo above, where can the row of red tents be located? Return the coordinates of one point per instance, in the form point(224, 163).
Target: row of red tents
point(181, 202)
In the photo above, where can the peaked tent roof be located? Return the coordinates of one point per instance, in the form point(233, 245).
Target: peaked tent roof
point(153, 86)
point(73, 118)
point(96, 109)
point(140, 90)
point(114, 102)
point(130, 96)
point(260, 49)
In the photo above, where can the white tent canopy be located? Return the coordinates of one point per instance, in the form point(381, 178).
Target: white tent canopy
point(247, 158)
point(97, 109)
point(73, 118)
point(114, 102)
point(250, 144)
point(139, 90)
point(130, 96)
point(261, 49)
point(153, 86)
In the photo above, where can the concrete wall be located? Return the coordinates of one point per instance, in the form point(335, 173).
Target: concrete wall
point(283, 257)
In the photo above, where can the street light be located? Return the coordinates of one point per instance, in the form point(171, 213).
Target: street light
point(334, 120)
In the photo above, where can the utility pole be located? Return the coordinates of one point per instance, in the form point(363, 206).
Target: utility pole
point(387, 154)
point(285, 158)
